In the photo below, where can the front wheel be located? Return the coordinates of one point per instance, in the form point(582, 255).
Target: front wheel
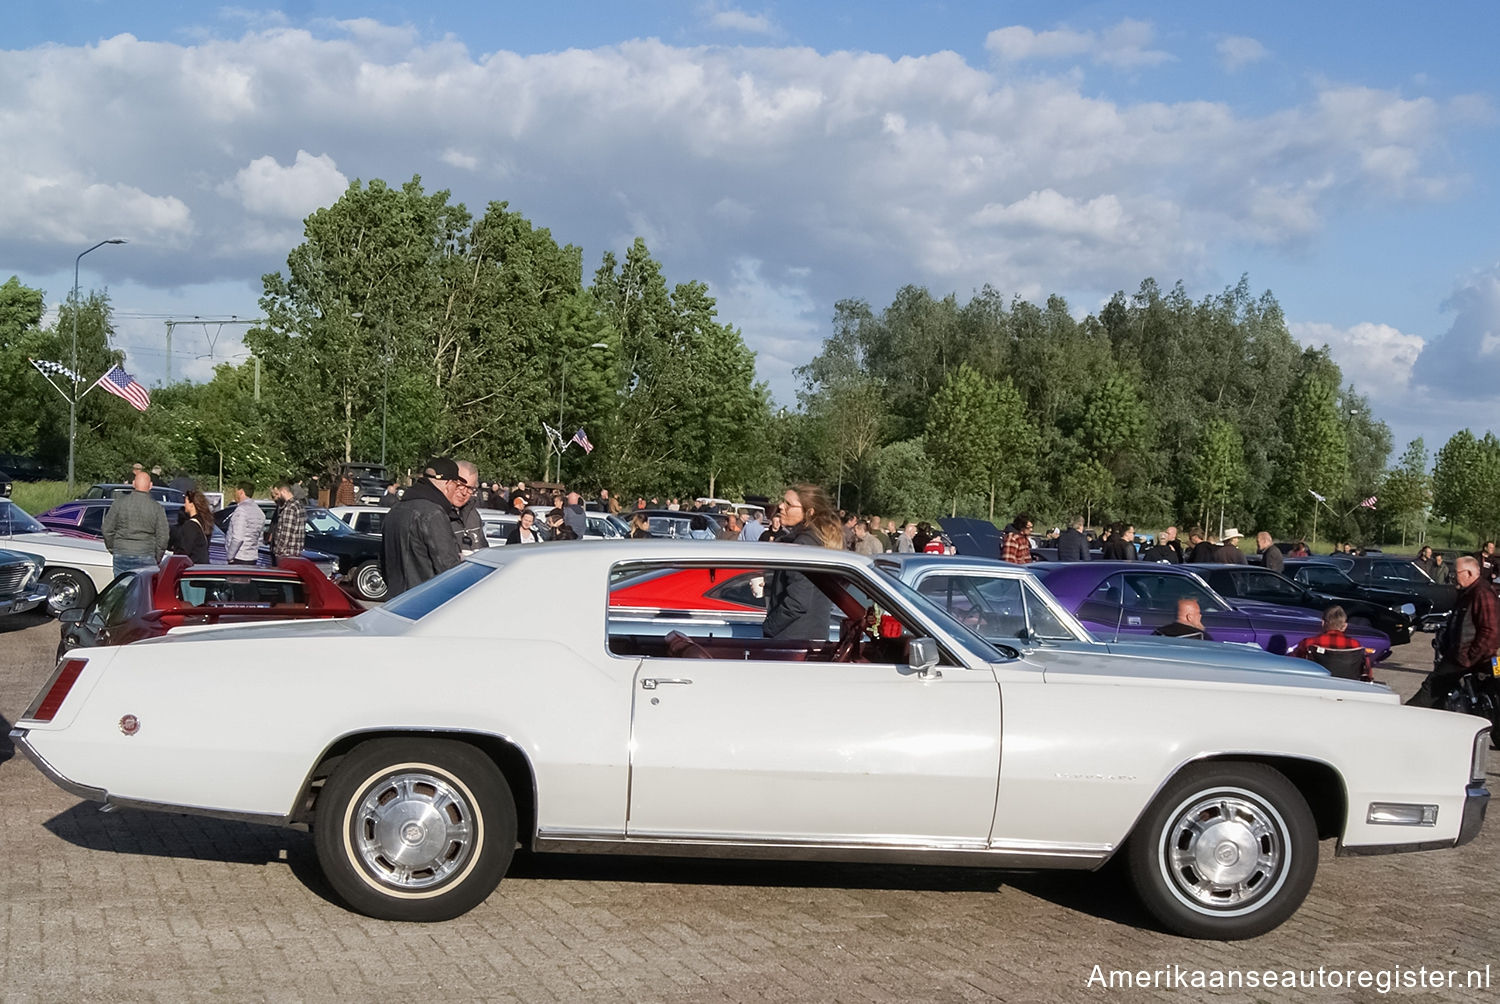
point(1226, 851)
point(69, 589)
point(369, 581)
point(415, 830)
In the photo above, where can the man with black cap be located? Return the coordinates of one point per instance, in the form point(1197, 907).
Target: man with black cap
point(418, 541)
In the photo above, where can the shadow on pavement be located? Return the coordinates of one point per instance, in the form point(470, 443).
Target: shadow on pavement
point(172, 835)
point(20, 622)
point(7, 748)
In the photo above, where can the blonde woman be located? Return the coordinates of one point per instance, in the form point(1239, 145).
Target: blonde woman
point(795, 607)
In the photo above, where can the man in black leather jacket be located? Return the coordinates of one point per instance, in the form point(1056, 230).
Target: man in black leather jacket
point(418, 541)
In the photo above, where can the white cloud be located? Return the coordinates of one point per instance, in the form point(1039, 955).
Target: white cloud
point(1462, 362)
point(1125, 46)
point(457, 158)
point(1238, 51)
point(1376, 358)
point(266, 188)
point(728, 18)
point(863, 170)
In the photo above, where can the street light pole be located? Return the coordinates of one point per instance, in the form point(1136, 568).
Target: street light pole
point(73, 401)
point(385, 389)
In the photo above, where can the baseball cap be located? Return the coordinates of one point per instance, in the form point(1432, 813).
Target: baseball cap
point(442, 469)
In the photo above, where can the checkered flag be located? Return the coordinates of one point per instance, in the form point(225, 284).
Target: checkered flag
point(45, 366)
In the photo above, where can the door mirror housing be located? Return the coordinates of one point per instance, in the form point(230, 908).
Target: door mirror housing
point(922, 657)
point(72, 615)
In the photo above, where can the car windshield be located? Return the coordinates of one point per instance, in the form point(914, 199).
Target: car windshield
point(324, 521)
point(15, 520)
point(1400, 571)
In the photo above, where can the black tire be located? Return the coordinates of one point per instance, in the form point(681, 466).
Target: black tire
point(70, 589)
point(447, 811)
point(1245, 820)
point(369, 581)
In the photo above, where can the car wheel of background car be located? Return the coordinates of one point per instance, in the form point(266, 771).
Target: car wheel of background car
point(369, 581)
point(1226, 851)
point(69, 589)
point(415, 830)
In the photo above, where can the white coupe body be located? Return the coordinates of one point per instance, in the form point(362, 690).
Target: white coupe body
point(918, 742)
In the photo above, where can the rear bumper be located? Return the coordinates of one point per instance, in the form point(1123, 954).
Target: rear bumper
point(19, 736)
point(30, 599)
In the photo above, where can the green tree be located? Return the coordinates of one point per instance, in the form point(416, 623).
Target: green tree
point(1317, 450)
point(1217, 471)
point(904, 485)
point(1406, 491)
point(979, 437)
point(1456, 479)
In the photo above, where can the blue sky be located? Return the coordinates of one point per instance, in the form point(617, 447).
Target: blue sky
point(1341, 154)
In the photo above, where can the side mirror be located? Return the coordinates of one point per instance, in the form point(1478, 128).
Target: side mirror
point(72, 615)
point(922, 657)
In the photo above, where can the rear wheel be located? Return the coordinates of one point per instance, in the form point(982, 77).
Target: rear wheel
point(415, 830)
point(369, 581)
point(70, 588)
point(1227, 851)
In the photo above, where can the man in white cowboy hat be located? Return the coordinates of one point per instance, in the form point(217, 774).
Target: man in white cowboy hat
point(1229, 550)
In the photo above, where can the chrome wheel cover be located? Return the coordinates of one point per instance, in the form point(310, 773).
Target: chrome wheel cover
point(64, 594)
point(411, 831)
point(370, 583)
point(1224, 852)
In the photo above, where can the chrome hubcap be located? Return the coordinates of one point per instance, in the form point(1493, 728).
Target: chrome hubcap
point(413, 830)
point(64, 594)
point(1225, 853)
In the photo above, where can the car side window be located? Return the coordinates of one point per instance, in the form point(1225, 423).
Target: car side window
point(1045, 623)
point(990, 606)
point(112, 605)
point(93, 519)
point(1267, 586)
point(1161, 592)
point(804, 614)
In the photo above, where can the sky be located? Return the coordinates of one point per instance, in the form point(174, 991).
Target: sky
point(1339, 154)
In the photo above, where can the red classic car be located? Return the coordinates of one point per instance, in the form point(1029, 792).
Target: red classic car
point(704, 590)
point(149, 602)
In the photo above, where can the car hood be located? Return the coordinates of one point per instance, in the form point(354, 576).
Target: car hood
point(1229, 667)
point(51, 538)
point(1263, 611)
point(1213, 655)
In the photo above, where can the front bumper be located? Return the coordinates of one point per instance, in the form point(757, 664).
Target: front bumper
point(30, 599)
point(1476, 802)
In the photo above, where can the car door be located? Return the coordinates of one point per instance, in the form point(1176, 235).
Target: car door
point(733, 741)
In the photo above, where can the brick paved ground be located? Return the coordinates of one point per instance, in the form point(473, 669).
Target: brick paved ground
point(151, 906)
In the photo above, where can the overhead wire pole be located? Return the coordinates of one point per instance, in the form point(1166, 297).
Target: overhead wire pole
point(218, 323)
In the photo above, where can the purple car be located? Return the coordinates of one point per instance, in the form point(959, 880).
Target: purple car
point(1120, 598)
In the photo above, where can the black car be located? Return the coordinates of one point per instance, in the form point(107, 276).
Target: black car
point(358, 553)
point(108, 491)
point(1262, 585)
point(5, 480)
point(21, 585)
point(369, 481)
point(1387, 581)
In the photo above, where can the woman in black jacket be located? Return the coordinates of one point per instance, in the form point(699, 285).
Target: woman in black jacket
point(795, 606)
point(194, 526)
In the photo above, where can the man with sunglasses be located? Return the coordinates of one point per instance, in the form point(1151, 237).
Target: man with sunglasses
point(418, 534)
point(468, 527)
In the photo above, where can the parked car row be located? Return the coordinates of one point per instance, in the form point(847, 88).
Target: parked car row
point(877, 735)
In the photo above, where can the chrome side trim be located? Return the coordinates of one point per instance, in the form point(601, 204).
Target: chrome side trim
point(890, 850)
point(18, 736)
point(264, 818)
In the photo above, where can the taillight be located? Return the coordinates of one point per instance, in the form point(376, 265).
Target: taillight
point(57, 691)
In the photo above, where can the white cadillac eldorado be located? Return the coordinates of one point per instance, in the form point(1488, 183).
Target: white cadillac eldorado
point(510, 701)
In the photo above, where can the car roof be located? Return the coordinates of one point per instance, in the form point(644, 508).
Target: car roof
point(922, 562)
point(666, 549)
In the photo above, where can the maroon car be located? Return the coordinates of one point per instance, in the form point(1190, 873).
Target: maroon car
point(149, 602)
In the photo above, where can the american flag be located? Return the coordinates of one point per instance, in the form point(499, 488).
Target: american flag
point(1368, 503)
point(582, 440)
point(47, 366)
point(122, 384)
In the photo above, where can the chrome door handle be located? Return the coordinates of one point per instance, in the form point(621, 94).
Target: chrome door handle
point(652, 682)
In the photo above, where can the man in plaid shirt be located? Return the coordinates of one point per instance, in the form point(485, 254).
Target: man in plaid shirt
point(289, 529)
point(1017, 546)
point(1334, 622)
